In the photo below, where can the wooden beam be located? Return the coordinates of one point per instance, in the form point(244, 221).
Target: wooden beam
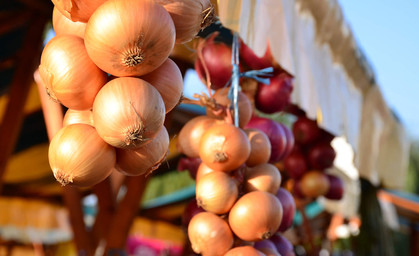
point(43, 7)
point(125, 214)
point(53, 115)
point(14, 20)
point(399, 201)
point(106, 204)
point(19, 90)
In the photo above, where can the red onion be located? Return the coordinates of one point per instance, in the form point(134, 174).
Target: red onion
point(275, 134)
point(190, 164)
point(217, 58)
point(274, 97)
point(296, 190)
point(305, 130)
point(295, 164)
point(336, 188)
point(191, 210)
point(290, 140)
point(288, 207)
point(252, 60)
point(321, 156)
point(283, 245)
point(267, 247)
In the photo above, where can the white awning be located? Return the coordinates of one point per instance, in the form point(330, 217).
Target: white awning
point(334, 82)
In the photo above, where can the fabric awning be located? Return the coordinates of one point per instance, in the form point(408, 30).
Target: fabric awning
point(334, 82)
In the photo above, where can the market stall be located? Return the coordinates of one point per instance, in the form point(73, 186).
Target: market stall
point(141, 209)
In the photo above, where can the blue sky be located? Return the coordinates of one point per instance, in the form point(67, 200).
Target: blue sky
point(388, 32)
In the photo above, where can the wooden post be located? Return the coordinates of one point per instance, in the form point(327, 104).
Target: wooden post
point(125, 214)
point(19, 89)
point(53, 115)
point(106, 204)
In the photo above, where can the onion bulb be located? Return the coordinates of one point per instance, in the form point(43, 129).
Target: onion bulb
point(191, 133)
point(255, 216)
point(203, 170)
point(167, 79)
point(267, 247)
point(217, 59)
point(77, 10)
point(128, 112)
point(78, 117)
point(130, 38)
point(314, 184)
point(78, 156)
point(216, 192)
point(189, 17)
point(224, 147)
point(69, 75)
point(145, 159)
point(209, 234)
point(244, 251)
point(263, 177)
point(275, 133)
point(244, 105)
point(260, 147)
point(63, 25)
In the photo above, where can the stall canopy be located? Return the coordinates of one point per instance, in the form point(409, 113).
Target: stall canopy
point(334, 82)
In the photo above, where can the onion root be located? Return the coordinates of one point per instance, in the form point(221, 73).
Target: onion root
point(63, 177)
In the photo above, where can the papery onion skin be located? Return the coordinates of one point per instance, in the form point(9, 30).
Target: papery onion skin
point(244, 105)
point(79, 157)
point(130, 38)
point(244, 251)
point(63, 25)
point(168, 80)
point(216, 192)
point(255, 216)
point(128, 112)
point(191, 133)
point(263, 177)
point(145, 159)
point(209, 234)
point(78, 116)
point(69, 75)
point(224, 147)
point(189, 17)
point(260, 147)
point(252, 60)
point(77, 10)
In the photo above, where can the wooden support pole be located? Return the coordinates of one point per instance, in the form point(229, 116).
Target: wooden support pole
point(53, 115)
point(19, 90)
point(14, 20)
point(308, 231)
point(106, 204)
point(125, 214)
